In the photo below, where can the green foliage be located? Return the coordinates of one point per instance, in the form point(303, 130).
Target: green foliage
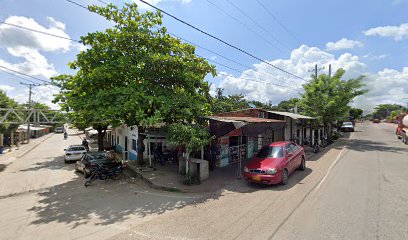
point(221, 103)
point(356, 113)
point(135, 73)
point(383, 110)
point(192, 137)
point(328, 98)
point(289, 105)
point(7, 102)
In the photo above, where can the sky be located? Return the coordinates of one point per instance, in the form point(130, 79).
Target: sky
point(363, 37)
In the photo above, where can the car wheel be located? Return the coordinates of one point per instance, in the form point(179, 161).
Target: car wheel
point(405, 139)
point(302, 165)
point(285, 175)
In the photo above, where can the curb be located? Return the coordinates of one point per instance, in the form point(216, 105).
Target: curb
point(134, 170)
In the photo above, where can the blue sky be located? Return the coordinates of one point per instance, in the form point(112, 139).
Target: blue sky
point(364, 37)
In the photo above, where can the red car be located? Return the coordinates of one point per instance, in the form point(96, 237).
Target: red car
point(275, 162)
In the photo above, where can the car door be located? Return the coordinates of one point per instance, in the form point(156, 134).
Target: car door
point(297, 156)
point(289, 158)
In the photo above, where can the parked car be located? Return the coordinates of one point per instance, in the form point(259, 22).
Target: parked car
point(347, 127)
point(275, 162)
point(59, 130)
point(74, 153)
point(376, 121)
point(90, 161)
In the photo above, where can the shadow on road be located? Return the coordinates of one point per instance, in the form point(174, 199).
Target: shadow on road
point(105, 202)
point(294, 179)
point(368, 146)
point(55, 164)
point(2, 167)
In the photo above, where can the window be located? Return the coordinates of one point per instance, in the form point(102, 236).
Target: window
point(288, 149)
point(134, 144)
point(272, 152)
point(294, 148)
point(117, 140)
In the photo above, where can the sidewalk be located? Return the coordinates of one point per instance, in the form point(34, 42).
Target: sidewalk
point(23, 148)
point(167, 177)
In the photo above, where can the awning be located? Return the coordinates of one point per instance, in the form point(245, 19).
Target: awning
point(291, 115)
point(250, 126)
point(25, 127)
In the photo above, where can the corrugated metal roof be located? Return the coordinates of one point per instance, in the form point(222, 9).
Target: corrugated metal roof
point(243, 119)
point(291, 115)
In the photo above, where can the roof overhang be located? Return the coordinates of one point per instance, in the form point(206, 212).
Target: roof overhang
point(291, 115)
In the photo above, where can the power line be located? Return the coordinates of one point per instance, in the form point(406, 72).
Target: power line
point(256, 23)
point(222, 41)
point(79, 5)
point(15, 75)
point(48, 82)
point(236, 70)
point(224, 57)
point(38, 31)
point(279, 22)
point(243, 24)
point(209, 51)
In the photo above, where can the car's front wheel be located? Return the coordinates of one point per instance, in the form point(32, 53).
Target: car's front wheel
point(302, 165)
point(285, 176)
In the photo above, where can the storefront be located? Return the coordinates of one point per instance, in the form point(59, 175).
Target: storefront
point(239, 138)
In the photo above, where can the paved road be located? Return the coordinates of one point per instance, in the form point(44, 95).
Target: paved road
point(42, 198)
point(356, 192)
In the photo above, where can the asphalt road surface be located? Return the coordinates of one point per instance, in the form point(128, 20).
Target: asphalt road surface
point(359, 191)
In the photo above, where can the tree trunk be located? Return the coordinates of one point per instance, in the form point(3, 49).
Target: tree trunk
point(101, 135)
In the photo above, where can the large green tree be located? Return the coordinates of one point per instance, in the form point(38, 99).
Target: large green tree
point(135, 73)
point(7, 102)
point(382, 111)
point(327, 98)
point(356, 113)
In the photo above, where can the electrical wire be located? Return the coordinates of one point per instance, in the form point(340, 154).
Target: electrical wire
point(39, 79)
point(217, 55)
point(256, 23)
point(279, 22)
point(222, 41)
point(15, 75)
point(243, 24)
point(38, 31)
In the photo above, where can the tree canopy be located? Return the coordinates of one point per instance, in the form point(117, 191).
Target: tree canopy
point(135, 73)
point(327, 98)
point(356, 113)
point(382, 111)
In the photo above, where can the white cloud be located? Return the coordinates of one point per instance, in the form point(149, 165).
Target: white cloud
point(385, 86)
point(156, 2)
point(282, 86)
point(370, 56)
point(42, 94)
point(14, 37)
point(397, 32)
point(35, 64)
point(343, 43)
point(6, 88)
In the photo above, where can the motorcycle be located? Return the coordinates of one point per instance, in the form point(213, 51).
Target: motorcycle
point(103, 173)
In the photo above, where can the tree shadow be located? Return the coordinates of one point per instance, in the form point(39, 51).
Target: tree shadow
point(370, 146)
point(244, 186)
point(107, 201)
point(2, 167)
point(56, 163)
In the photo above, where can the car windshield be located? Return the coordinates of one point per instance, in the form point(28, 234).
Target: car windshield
point(99, 156)
point(347, 123)
point(270, 151)
point(76, 149)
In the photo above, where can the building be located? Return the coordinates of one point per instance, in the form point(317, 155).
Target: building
point(240, 134)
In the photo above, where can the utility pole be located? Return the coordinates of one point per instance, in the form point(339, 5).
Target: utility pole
point(30, 86)
point(329, 71)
